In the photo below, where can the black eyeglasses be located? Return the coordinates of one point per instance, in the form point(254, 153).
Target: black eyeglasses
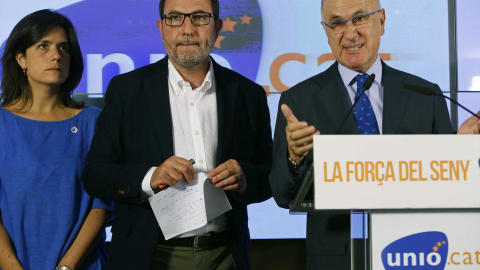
point(197, 18)
point(359, 21)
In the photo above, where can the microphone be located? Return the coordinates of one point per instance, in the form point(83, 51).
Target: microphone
point(368, 83)
point(429, 92)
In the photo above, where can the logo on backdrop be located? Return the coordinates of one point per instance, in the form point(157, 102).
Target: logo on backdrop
point(427, 250)
point(117, 36)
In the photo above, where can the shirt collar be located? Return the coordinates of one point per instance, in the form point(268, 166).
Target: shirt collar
point(178, 82)
point(348, 75)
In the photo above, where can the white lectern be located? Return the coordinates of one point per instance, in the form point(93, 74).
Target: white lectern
point(418, 197)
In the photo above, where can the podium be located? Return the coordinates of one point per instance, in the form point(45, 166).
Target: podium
point(414, 199)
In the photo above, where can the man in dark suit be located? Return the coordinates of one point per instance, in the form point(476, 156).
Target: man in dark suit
point(319, 104)
point(158, 117)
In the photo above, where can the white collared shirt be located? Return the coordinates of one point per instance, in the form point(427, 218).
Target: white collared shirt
point(195, 131)
point(194, 118)
point(375, 93)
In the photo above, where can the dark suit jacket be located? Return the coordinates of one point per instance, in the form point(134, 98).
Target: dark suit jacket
point(323, 101)
point(134, 133)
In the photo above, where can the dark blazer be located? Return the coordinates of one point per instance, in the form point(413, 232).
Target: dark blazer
point(134, 132)
point(322, 101)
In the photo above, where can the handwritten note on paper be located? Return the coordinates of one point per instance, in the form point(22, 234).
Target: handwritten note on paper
point(185, 207)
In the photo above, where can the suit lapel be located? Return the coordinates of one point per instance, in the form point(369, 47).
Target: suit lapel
point(226, 104)
point(395, 99)
point(334, 101)
point(158, 104)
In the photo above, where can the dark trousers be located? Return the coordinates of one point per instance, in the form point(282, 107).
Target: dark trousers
point(189, 258)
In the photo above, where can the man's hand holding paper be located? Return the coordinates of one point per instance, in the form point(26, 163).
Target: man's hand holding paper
point(184, 207)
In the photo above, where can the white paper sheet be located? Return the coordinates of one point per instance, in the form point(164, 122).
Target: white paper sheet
point(185, 207)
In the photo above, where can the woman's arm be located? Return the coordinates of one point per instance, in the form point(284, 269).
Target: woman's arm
point(8, 260)
point(87, 238)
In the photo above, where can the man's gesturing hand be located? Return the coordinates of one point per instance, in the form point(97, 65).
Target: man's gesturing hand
point(470, 126)
point(228, 176)
point(171, 171)
point(299, 135)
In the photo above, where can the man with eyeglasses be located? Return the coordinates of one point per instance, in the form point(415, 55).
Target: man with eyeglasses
point(167, 122)
point(319, 104)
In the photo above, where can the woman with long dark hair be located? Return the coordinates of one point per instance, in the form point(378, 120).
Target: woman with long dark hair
point(47, 220)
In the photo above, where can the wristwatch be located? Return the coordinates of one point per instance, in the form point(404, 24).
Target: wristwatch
point(62, 267)
point(294, 165)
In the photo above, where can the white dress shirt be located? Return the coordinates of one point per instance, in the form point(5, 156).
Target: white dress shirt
point(195, 132)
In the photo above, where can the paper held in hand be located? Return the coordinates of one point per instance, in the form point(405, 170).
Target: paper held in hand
point(185, 207)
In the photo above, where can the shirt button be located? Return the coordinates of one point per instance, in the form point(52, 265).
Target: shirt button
point(210, 222)
point(196, 133)
point(192, 104)
point(201, 161)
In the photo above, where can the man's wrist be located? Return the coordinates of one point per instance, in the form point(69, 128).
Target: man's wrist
point(294, 164)
point(146, 187)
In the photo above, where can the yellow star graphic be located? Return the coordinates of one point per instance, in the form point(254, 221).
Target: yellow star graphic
point(439, 244)
point(245, 19)
point(217, 43)
point(435, 248)
point(444, 242)
point(228, 25)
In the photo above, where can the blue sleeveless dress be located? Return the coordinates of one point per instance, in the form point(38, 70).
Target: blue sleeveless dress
point(42, 200)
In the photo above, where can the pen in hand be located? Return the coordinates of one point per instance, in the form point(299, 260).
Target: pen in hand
point(162, 186)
